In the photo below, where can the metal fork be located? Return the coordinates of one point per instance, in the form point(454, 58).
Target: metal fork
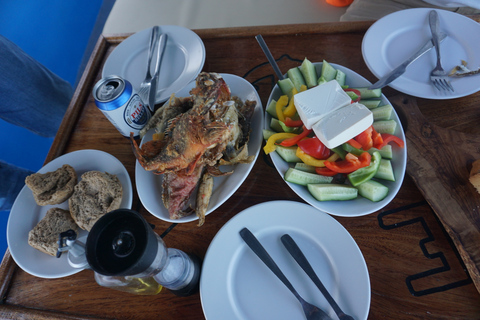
point(145, 86)
point(438, 76)
point(311, 312)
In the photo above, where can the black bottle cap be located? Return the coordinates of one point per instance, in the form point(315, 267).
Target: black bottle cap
point(121, 243)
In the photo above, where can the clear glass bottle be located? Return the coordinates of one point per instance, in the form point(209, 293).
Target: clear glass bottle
point(127, 255)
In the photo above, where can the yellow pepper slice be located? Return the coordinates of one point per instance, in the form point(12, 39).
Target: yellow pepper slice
point(291, 110)
point(334, 157)
point(270, 145)
point(308, 159)
point(281, 103)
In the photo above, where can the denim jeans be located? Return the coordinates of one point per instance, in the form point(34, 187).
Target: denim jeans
point(33, 97)
point(12, 181)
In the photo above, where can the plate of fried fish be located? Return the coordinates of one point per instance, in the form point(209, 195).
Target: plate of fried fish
point(199, 147)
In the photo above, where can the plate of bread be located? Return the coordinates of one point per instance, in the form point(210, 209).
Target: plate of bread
point(69, 193)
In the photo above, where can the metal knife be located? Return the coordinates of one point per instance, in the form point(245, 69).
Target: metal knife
point(398, 71)
point(153, 85)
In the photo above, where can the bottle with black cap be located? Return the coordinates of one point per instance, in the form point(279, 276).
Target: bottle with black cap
point(127, 255)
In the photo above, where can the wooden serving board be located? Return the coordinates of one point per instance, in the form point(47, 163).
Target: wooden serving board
point(439, 161)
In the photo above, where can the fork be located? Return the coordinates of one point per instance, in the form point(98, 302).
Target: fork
point(302, 261)
point(145, 86)
point(438, 76)
point(311, 312)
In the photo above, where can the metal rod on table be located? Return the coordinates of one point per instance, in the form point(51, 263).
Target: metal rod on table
point(270, 58)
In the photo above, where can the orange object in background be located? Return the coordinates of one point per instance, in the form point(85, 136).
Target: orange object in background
point(339, 3)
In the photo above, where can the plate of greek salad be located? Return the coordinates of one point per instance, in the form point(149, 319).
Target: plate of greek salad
point(354, 176)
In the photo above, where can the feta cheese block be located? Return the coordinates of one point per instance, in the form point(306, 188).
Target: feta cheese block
point(343, 124)
point(313, 104)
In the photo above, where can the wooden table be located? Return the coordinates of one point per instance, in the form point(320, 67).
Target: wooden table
point(415, 269)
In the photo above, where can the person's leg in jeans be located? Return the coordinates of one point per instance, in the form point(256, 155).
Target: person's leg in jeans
point(33, 97)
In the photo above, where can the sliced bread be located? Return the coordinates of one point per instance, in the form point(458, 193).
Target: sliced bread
point(52, 187)
point(44, 236)
point(96, 194)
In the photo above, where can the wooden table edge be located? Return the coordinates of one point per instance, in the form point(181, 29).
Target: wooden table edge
point(8, 265)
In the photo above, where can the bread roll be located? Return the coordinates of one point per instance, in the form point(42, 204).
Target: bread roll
point(52, 187)
point(96, 194)
point(44, 236)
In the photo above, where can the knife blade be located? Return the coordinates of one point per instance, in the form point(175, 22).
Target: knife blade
point(153, 85)
point(398, 71)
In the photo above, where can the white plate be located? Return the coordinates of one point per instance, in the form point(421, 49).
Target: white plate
point(235, 284)
point(183, 59)
point(359, 206)
point(149, 185)
point(25, 213)
point(395, 37)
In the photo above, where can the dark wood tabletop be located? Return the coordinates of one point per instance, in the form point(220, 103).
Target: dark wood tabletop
point(421, 264)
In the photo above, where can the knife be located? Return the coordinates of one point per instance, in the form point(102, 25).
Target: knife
point(398, 71)
point(153, 85)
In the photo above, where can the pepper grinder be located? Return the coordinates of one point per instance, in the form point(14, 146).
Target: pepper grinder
point(127, 255)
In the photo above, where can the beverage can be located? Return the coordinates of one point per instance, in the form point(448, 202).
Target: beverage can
point(119, 102)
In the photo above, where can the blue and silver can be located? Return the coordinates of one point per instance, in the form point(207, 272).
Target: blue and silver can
point(119, 102)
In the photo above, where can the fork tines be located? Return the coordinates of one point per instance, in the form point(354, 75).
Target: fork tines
point(442, 84)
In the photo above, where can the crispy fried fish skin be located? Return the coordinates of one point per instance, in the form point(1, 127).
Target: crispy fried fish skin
point(191, 133)
point(194, 136)
point(203, 197)
point(177, 190)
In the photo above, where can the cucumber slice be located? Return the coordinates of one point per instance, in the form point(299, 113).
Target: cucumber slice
point(373, 190)
point(337, 192)
point(275, 125)
point(382, 113)
point(297, 78)
point(328, 72)
point(364, 174)
point(304, 167)
point(309, 73)
point(370, 104)
point(368, 94)
point(385, 170)
point(385, 126)
point(321, 80)
point(267, 134)
point(386, 152)
point(340, 77)
point(286, 85)
point(304, 178)
point(272, 108)
point(352, 95)
point(288, 154)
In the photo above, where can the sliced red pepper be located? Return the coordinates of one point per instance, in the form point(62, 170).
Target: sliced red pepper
point(293, 123)
point(365, 138)
point(377, 138)
point(354, 143)
point(314, 147)
point(293, 141)
point(350, 164)
point(390, 137)
point(325, 172)
point(358, 93)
